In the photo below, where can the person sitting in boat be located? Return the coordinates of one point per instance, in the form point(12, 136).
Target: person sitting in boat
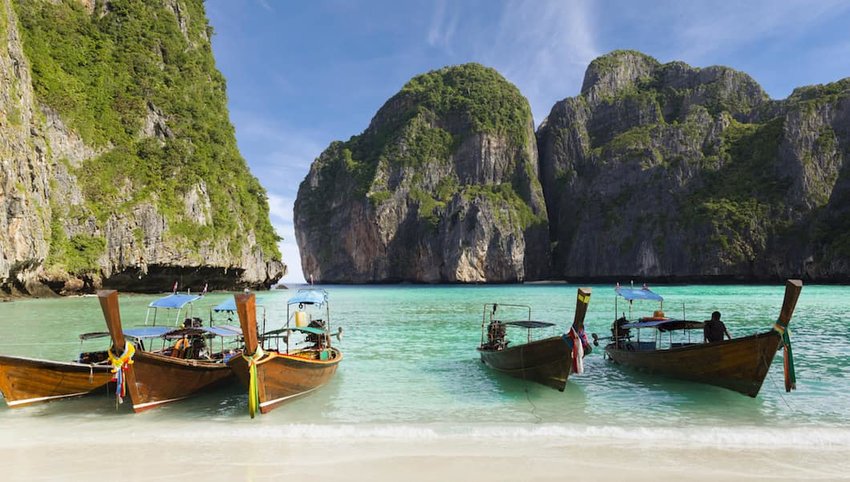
point(193, 323)
point(178, 350)
point(714, 329)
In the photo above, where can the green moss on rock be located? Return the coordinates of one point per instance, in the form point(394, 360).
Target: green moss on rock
point(480, 94)
point(78, 255)
point(503, 195)
point(107, 74)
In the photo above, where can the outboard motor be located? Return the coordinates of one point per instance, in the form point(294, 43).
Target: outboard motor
point(618, 333)
point(193, 323)
point(496, 332)
point(317, 341)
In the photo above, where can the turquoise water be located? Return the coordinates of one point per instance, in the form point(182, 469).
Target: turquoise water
point(410, 369)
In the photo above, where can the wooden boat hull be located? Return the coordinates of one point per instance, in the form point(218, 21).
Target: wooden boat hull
point(544, 361)
point(26, 381)
point(282, 377)
point(739, 364)
point(160, 379)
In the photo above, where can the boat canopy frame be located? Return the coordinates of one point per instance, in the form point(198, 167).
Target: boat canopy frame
point(528, 323)
point(173, 301)
point(229, 306)
point(303, 298)
point(658, 324)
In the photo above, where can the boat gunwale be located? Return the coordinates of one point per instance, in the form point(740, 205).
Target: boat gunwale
point(189, 363)
point(271, 355)
point(41, 361)
point(698, 346)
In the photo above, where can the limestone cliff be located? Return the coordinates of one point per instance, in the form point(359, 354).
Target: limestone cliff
point(669, 171)
point(441, 187)
point(119, 163)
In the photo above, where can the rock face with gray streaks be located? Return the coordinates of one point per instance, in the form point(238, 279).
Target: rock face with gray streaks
point(75, 211)
point(668, 171)
point(441, 187)
point(654, 171)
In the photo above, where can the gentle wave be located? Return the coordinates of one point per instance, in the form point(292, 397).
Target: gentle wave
point(717, 437)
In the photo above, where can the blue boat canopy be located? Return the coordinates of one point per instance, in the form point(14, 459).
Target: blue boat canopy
point(666, 325)
point(174, 301)
point(638, 294)
point(645, 324)
point(225, 330)
point(302, 329)
point(147, 331)
point(315, 297)
point(530, 324)
point(230, 305)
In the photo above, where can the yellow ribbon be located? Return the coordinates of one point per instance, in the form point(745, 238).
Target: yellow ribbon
point(584, 298)
point(119, 364)
point(253, 388)
point(125, 358)
point(779, 328)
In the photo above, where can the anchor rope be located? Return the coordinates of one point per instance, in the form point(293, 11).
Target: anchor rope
point(773, 382)
point(525, 382)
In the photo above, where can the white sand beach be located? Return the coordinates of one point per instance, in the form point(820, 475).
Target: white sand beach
point(184, 452)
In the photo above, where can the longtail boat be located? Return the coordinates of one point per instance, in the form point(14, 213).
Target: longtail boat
point(306, 362)
point(739, 364)
point(26, 381)
point(548, 361)
point(187, 367)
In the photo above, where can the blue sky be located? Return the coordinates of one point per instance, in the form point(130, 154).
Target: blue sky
point(301, 74)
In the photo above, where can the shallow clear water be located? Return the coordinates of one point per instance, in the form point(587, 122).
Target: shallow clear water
point(411, 370)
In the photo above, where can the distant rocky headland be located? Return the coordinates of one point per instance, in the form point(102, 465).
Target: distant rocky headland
point(119, 161)
point(658, 171)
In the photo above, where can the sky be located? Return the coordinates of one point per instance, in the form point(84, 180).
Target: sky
point(303, 73)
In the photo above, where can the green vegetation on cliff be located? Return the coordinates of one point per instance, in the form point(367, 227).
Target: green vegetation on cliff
point(668, 107)
point(433, 113)
point(610, 61)
point(78, 255)
point(422, 126)
point(128, 68)
point(748, 186)
point(742, 197)
point(447, 167)
point(480, 95)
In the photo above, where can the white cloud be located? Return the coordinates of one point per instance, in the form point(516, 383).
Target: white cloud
point(280, 156)
point(268, 143)
point(289, 252)
point(443, 26)
point(544, 48)
point(704, 29)
point(265, 4)
point(280, 207)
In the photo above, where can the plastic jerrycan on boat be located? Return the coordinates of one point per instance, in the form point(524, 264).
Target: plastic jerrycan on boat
point(302, 319)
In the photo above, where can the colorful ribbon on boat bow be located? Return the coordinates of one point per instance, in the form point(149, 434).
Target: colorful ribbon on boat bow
point(788, 357)
point(120, 364)
point(253, 387)
point(577, 341)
